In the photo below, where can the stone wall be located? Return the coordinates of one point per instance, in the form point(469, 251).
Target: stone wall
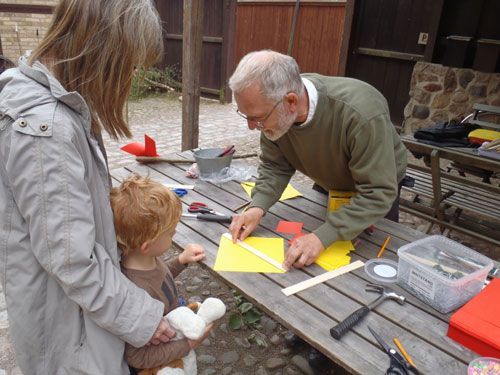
point(17, 43)
point(440, 93)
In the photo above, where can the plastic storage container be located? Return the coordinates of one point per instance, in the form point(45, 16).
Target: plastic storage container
point(442, 272)
point(484, 366)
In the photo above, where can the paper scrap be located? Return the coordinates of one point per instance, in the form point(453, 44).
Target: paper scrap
point(335, 256)
point(178, 186)
point(291, 227)
point(233, 258)
point(290, 191)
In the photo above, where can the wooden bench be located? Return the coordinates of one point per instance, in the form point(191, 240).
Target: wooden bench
point(451, 201)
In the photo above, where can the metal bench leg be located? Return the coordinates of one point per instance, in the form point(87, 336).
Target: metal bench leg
point(436, 187)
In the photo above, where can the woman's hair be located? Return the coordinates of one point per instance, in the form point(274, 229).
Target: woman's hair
point(277, 74)
point(143, 209)
point(94, 46)
point(5, 63)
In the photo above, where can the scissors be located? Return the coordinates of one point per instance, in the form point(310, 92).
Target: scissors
point(201, 208)
point(398, 365)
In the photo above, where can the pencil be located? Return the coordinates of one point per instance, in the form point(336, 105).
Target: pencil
point(403, 351)
point(382, 249)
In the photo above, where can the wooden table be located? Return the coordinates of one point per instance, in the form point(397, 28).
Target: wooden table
point(312, 312)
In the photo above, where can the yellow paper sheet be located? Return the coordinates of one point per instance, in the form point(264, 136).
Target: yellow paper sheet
point(336, 255)
point(232, 257)
point(290, 191)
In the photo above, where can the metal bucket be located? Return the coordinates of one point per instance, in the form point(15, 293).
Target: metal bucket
point(208, 162)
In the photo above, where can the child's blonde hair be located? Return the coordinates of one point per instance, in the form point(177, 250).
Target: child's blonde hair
point(143, 209)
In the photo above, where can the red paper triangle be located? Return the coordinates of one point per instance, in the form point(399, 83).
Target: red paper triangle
point(150, 146)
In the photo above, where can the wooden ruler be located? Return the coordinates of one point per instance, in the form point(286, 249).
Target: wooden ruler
point(321, 278)
point(256, 252)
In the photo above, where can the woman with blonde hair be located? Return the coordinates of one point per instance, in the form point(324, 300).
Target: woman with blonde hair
point(70, 308)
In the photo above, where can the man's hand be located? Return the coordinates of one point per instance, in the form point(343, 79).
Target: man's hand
point(303, 252)
point(193, 344)
point(192, 253)
point(163, 333)
point(245, 223)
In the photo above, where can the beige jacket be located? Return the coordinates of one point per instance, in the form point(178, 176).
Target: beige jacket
point(70, 308)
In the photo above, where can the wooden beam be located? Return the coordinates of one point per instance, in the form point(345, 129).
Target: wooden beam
point(347, 36)
point(26, 8)
point(191, 62)
point(389, 54)
point(294, 26)
point(228, 48)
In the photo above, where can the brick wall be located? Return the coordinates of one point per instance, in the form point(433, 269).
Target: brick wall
point(440, 93)
point(16, 43)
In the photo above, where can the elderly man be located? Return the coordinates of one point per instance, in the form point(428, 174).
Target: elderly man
point(335, 130)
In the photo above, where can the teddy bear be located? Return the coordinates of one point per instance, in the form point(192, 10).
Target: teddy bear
point(189, 322)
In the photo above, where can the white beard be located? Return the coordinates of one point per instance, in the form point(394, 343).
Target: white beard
point(285, 122)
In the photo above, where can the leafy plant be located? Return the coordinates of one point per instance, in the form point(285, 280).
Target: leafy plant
point(154, 80)
point(259, 338)
point(246, 315)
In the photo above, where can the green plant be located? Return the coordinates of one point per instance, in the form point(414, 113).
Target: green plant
point(259, 338)
point(146, 82)
point(246, 314)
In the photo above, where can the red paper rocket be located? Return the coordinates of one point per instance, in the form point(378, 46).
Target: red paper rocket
point(139, 149)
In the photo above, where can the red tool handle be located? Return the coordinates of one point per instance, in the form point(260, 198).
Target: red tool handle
point(227, 150)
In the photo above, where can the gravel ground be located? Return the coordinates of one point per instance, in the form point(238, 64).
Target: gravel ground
point(225, 351)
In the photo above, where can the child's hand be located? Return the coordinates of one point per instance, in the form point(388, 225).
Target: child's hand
point(193, 344)
point(192, 253)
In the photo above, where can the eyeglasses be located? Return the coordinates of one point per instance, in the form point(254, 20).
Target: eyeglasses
point(259, 123)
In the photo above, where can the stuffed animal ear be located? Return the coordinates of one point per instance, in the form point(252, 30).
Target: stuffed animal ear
point(185, 321)
point(212, 309)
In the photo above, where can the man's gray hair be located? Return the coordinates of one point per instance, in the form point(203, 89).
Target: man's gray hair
point(277, 74)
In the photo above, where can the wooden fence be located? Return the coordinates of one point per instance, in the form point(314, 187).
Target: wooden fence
point(317, 37)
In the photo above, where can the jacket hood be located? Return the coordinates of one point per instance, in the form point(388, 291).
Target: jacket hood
point(26, 87)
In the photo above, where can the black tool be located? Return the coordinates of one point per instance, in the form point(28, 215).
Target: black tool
point(385, 293)
point(210, 217)
point(398, 365)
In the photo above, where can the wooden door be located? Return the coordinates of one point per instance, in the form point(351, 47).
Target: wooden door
point(382, 41)
point(217, 48)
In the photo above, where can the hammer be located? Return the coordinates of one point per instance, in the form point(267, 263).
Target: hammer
point(385, 293)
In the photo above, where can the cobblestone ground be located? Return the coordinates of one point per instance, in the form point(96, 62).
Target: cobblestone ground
point(225, 351)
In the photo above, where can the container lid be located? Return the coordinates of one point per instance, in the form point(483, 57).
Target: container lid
point(381, 269)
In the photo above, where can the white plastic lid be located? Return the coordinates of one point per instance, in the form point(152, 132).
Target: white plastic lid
point(382, 269)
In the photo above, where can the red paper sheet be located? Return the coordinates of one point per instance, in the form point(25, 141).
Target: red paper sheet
point(477, 324)
point(291, 227)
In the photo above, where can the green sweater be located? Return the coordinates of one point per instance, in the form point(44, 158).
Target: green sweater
point(350, 144)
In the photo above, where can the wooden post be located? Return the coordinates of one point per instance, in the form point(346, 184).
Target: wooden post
point(191, 62)
point(294, 26)
point(227, 60)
